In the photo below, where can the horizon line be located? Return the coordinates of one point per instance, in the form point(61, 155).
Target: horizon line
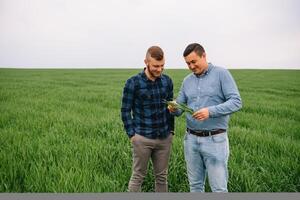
point(264, 68)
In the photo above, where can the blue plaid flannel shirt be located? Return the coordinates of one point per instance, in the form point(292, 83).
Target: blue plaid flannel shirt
point(143, 110)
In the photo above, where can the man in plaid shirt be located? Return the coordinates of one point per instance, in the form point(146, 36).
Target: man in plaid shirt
point(147, 121)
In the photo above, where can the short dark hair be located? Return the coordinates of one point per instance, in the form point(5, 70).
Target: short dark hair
point(197, 48)
point(155, 52)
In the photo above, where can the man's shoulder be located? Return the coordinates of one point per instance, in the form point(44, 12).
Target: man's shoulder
point(134, 77)
point(133, 80)
point(221, 72)
point(219, 69)
point(164, 76)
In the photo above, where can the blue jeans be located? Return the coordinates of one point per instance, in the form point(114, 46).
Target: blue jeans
point(207, 155)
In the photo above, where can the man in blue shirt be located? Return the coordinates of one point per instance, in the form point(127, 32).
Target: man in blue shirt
point(148, 122)
point(212, 93)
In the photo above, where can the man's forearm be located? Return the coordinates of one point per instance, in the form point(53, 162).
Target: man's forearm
point(127, 122)
point(232, 105)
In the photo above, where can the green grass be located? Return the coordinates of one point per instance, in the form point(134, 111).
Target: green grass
point(61, 131)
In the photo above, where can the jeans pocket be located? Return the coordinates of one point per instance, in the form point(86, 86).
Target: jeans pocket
point(219, 137)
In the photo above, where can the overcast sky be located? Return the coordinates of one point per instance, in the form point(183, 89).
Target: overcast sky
point(117, 33)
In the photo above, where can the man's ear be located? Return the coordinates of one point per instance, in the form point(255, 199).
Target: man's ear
point(204, 55)
point(146, 62)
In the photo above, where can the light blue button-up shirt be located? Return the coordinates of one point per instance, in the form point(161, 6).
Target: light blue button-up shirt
point(214, 89)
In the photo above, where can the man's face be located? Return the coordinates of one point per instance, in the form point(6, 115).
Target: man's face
point(155, 67)
point(196, 63)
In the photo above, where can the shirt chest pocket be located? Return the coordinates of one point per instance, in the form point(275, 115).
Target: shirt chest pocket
point(164, 93)
point(192, 96)
point(192, 99)
point(145, 96)
point(211, 88)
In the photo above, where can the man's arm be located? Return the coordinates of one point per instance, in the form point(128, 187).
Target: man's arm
point(169, 115)
point(126, 108)
point(232, 96)
point(180, 99)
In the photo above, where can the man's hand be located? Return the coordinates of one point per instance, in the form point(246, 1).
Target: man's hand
point(201, 114)
point(132, 138)
point(172, 108)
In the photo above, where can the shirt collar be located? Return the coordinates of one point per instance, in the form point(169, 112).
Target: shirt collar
point(143, 74)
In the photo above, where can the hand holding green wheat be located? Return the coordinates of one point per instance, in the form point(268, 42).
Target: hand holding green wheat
point(181, 106)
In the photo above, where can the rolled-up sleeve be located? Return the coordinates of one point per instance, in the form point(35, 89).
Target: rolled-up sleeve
point(181, 98)
point(233, 101)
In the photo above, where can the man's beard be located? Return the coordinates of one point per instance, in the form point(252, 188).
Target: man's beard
point(151, 73)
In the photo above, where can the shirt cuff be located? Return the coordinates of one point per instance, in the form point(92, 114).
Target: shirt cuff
point(212, 111)
point(177, 113)
point(131, 135)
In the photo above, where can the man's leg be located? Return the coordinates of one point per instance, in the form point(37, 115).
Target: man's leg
point(194, 162)
point(216, 153)
point(160, 159)
point(141, 154)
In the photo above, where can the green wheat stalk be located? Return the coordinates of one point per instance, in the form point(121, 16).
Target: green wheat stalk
point(181, 106)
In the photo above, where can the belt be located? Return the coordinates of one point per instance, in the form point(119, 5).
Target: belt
point(205, 133)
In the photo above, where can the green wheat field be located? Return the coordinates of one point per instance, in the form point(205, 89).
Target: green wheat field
point(61, 131)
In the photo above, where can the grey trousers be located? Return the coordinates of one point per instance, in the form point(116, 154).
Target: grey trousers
point(159, 152)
